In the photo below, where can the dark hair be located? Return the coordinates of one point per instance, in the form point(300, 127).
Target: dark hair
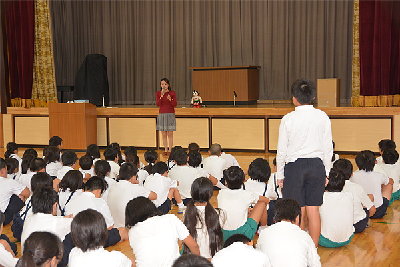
point(118, 149)
point(333, 155)
point(39, 248)
point(12, 165)
point(3, 164)
point(101, 168)
point(390, 156)
point(150, 156)
point(89, 230)
point(192, 260)
point(37, 164)
point(40, 180)
point(30, 151)
point(336, 181)
point(132, 158)
point(160, 167)
point(86, 162)
point(234, 177)
point(236, 238)
point(365, 160)
point(95, 183)
point(93, 151)
point(173, 151)
point(304, 91)
point(69, 158)
point(215, 149)
point(195, 158)
point(345, 166)
point(130, 150)
point(43, 200)
point(202, 191)
point(110, 154)
point(259, 170)
point(26, 162)
point(287, 209)
point(138, 210)
point(385, 144)
point(127, 171)
point(193, 147)
point(2, 218)
point(11, 147)
point(52, 154)
point(180, 156)
point(55, 141)
point(274, 161)
point(167, 82)
point(73, 180)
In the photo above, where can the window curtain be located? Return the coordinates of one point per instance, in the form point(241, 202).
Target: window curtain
point(379, 24)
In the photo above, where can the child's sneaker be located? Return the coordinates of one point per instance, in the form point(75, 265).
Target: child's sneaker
point(181, 210)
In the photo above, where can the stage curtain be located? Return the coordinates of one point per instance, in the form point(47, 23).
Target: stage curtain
point(44, 88)
point(379, 54)
point(20, 22)
point(145, 41)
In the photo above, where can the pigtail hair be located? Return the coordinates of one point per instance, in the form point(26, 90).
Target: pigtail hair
point(214, 229)
point(26, 259)
point(190, 220)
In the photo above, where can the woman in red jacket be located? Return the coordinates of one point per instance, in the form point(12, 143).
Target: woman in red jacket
point(166, 123)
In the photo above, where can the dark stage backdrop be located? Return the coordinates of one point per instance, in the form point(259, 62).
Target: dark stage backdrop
point(145, 41)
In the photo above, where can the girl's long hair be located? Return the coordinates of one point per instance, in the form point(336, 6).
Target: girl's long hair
point(202, 191)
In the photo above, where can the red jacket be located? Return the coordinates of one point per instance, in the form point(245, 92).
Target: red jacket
point(165, 105)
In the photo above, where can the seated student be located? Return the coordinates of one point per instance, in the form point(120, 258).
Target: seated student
point(229, 158)
point(111, 156)
point(121, 158)
point(41, 249)
point(151, 157)
point(374, 183)
point(154, 236)
point(284, 242)
point(52, 159)
point(12, 168)
point(26, 162)
point(236, 202)
point(126, 189)
point(44, 207)
point(12, 194)
point(274, 193)
point(195, 160)
point(184, 174)
point(89, 234)
point(7, 257)
point(57, 142)
point(238, 251)
point(193, 147)
point(93, 151)
point(69, 159)
point(102, 169)
point(132, 150)
point(335, 157)
point(336, 213)
point(164, 187)
point(12, 153)
point(141, 174)
point(37, 165)
point(383, 145)
point(171, 159)
point(70, 188)
point(215, 165)
point(30, 151)
point(363, 207)
point(191, 260)
point(86, 167)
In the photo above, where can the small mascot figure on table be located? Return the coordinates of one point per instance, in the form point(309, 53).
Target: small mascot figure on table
point(196, 100)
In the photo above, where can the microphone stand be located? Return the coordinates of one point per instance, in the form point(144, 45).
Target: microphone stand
point(234, 99)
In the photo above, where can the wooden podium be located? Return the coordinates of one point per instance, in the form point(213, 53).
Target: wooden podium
point(217, 84)
point(75, 123)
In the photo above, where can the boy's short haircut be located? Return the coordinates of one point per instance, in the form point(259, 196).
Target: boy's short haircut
point(274, 162)
point(181, 157)
point(390, 156)
point(132, 158)
point(160, 167)
point(30, 151)
point(55, 141)
point(127, 171)
point(259, 170)
point(52, 154)
point(236, 238)
point(138, 210)
point(215, 149)
point(86, 162)
point(72, 180)
point(43, 200)
point(195, 158)
point(37, 164)
point(304, 91)
point(345, 166)
point(150, 156)
point(173, 150)
point(365, 160)
point(110, 154)
point(234, 177)
point(193, 147)
point(101, 168)
point(287, 209)
point(3, 164)
point(385, 144)
point(69, 158)
point(130, 150)
point(95, 183)
point(40, 180)
point(336, 181)
point(12, 165)
point(89, 230)
point(93, 151)
point(192, 260)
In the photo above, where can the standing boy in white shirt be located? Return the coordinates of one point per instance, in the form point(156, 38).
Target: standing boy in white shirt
point(304, 155)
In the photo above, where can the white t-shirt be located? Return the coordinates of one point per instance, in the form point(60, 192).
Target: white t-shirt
point(120, 194)
point(142, 175)
point(110, 183)
point(287, 245)
point(98, 257)
point(28, 205)
point(90, 172)
point(231, 159)
point(87, 200)
point(273, 191)
point(391, 171)
point(337, 216)
point(371, 182)
point(239, 254)
point(236, 204)
point(25, 179)
point(63, 171)
point(215, 166)
point(63, 197)
point(256, 187)
point(155, 240)
point(185, 175)
point(6, 258)
point(52, 168)
point(8, 187)
point(360, 199)
point(114, 169)
point(160, 185)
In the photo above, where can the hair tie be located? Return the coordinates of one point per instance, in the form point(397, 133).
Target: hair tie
point(31, 251)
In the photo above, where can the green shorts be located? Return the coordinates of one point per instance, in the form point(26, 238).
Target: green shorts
point(395, 196)
point(325, 242)
point(248, 229)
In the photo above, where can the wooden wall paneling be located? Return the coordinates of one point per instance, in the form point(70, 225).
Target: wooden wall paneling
point(1, 131)
point(102, 131)
point(139, 132)
point(273, 133)
point(253, 84)
point(396, 129)
point(32, 130)
point(8, 128)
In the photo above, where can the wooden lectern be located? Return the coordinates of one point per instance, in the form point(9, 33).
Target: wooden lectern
point(75, 123)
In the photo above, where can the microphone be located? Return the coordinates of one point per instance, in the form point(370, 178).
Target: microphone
point(234, 93)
